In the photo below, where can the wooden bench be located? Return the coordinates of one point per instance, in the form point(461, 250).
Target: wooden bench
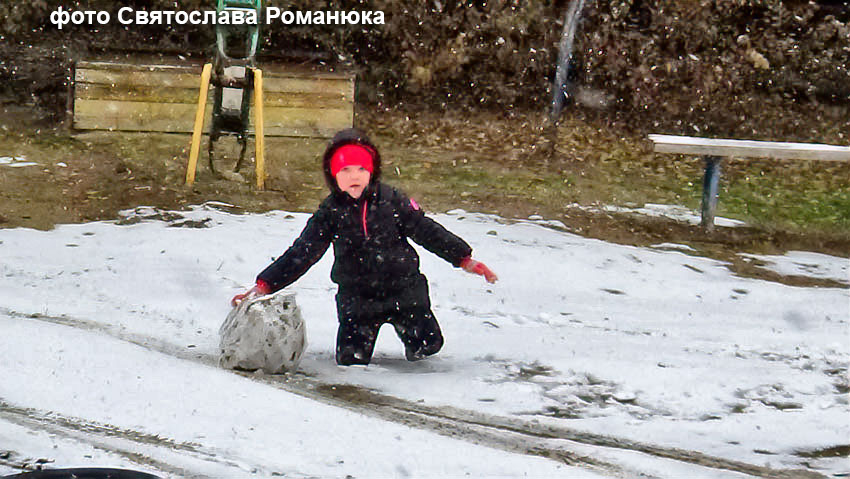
point(713, 150)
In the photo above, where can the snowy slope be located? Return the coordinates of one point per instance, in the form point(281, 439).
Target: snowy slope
point(641, 360)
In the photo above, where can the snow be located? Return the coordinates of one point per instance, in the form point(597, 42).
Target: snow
point(586, 348)
point(673, 212)
point(15, 162)
point(804, 263)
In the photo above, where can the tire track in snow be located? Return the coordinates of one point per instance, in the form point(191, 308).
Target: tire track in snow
point(506, 433)
point(109, 438)
point(371, 404)
point(103, 437)
point(389, 408)
point(527, 430)
point(115, 440)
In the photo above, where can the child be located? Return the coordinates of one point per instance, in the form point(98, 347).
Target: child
point(375, 267)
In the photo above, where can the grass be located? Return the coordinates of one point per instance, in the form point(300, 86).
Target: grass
point(495, 163)
point(513, 165)
point(800, 196)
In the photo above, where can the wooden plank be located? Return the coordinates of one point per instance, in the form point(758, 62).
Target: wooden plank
point(316, 131)
point(307, 121)
point(310, 85)
point(749, 148)
point(161, 97)
point(177, 118)
point(149, 66)
point(155, 94)
point(332, 101)
point(138, 78)
point(180, 76)
point(135, 116)
point(269, 71)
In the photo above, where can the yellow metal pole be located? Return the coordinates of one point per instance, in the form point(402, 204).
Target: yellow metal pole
point(259, 139)
point(198, 129)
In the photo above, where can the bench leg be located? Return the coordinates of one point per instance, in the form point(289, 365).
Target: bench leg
point(710, 184)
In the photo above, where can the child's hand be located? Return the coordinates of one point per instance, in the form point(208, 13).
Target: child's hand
point(479, 268)
point(260, 289)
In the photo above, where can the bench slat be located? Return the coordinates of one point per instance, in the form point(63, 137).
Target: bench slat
point(749, 148)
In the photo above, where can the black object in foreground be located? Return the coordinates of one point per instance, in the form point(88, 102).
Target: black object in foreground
point(83, 473)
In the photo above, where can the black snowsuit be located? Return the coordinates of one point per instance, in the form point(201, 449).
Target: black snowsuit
point(375, 266)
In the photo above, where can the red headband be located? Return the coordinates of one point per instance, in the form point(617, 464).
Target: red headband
point(349, 155)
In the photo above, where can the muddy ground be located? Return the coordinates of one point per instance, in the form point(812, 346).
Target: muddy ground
point(503, 166)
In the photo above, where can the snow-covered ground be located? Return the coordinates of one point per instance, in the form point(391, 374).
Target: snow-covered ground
point(673, 212)
point(586, 359)
point(15, 162)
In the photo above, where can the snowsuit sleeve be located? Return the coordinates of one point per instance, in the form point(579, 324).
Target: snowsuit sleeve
point(428, 233)
point(306, 251)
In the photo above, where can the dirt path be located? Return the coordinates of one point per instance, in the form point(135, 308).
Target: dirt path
point(512, 434)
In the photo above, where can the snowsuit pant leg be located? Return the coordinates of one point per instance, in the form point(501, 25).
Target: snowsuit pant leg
point(409, 312)
point(419, 331)
point(356, 334)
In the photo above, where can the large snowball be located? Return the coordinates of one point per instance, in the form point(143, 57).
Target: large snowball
point(265, 333)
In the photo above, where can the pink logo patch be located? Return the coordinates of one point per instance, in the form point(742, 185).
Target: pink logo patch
point(414, 205)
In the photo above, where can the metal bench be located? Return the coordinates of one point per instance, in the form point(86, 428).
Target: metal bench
point(713, 150)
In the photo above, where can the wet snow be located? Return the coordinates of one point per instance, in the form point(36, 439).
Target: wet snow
point(113, 327)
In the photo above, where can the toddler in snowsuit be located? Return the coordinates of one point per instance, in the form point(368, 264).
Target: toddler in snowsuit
point(375, 267)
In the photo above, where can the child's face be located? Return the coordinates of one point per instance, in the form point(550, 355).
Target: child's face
point(353, 180)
